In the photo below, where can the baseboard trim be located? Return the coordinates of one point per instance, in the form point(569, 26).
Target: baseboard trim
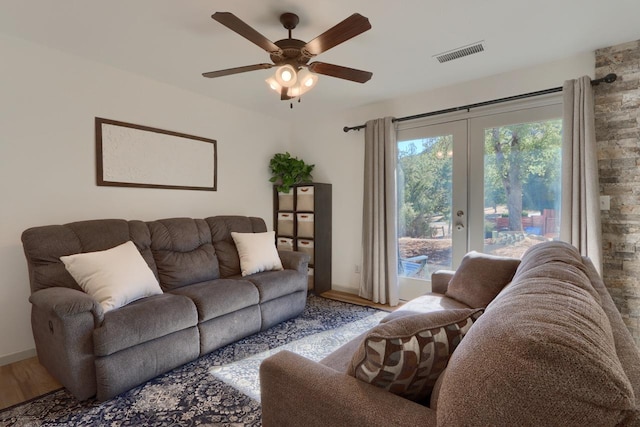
point(345, 289)
point(16, 357)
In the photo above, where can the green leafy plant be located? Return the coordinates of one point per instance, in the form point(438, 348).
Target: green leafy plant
point(287, 171)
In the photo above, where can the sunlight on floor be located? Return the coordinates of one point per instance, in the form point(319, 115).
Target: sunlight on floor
point(244, 374)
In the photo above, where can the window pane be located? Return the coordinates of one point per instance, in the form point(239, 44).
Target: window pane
point(424, 205)
point(521, 186)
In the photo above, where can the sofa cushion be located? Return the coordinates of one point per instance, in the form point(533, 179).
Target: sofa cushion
point(425, 304)
point(113, 277)
point(183, 252)
point(219, 297)
point(143, 321)
point(406, 355)
point(276, 284)
point(221, 228)
point(542, 354)
point(558, 260)
point(626, 348)
point(480, 278)
point(43, 247)
point(257, 252)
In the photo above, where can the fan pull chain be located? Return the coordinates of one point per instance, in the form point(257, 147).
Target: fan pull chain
point(291, 103)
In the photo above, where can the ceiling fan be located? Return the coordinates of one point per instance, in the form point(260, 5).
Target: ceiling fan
point(295, 75)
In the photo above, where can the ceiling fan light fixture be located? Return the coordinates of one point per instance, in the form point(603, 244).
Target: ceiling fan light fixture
point(273, 84)
point(294, 92)
point(286, 75)
point(307, 79)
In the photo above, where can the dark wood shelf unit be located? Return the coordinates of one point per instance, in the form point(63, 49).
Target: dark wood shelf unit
point(321, 210)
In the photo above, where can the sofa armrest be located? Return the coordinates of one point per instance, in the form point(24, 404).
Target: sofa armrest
point(294, 261)
point(440, 280)
point(66, 302)
point(63, 321)
point(296, 391)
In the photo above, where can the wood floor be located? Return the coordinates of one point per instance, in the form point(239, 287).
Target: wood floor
point(354, 299)
point(24, 380)
point(27, 378)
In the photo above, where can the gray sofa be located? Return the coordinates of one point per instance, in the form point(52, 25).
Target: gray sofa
point(205, 303)
point(550, 349)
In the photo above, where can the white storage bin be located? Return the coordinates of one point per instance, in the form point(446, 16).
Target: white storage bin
point(310, 278)
point(285, 201)
point(305, 225)
point(284, 244)
point(285, 224)
point(304, 198)
point(306, 246)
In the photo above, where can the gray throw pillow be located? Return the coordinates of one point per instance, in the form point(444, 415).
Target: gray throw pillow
point(480, 278)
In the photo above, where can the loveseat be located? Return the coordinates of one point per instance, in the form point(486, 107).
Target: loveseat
point(204, 302)
point(550, 349)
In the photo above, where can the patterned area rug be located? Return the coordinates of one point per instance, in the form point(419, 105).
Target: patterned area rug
point(220, 388)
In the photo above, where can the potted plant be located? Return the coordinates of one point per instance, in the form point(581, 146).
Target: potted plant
point(287, 171)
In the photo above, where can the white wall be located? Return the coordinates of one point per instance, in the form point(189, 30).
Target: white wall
point(48, 103)
point(339, 156)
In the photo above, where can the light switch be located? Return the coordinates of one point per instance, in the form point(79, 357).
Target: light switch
point(605, 203)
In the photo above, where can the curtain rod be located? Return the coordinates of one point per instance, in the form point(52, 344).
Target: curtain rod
point(609, 78)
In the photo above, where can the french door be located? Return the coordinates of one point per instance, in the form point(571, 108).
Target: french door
point(489, 182)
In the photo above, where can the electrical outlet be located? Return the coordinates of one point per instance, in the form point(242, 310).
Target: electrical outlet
point(605, 203)
point(357, 269)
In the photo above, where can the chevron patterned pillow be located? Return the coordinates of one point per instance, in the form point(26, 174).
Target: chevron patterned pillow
point(406, 355)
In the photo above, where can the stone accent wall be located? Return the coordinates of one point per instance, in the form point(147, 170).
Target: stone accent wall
point(617, 108)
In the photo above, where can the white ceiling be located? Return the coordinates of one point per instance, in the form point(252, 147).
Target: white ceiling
point(174, 41)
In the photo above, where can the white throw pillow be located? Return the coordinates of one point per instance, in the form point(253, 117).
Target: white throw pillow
point(257, 252)
point(114, 277)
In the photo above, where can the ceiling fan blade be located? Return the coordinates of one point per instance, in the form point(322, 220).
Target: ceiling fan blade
point(234, 23)
point(352, 26)
point(340, 72)
point(237, 70)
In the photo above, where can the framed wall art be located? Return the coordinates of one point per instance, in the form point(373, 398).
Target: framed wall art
point(129, 155)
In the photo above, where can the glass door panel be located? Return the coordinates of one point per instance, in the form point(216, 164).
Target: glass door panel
point(489, 183)
point(515, 180)
point(432, 166)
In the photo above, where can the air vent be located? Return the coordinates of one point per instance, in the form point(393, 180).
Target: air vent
point(460, 52)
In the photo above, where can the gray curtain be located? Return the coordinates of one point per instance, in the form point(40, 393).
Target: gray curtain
point(379, 276)
point(580, 210)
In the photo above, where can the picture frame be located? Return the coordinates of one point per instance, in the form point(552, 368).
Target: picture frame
point(131, 155)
